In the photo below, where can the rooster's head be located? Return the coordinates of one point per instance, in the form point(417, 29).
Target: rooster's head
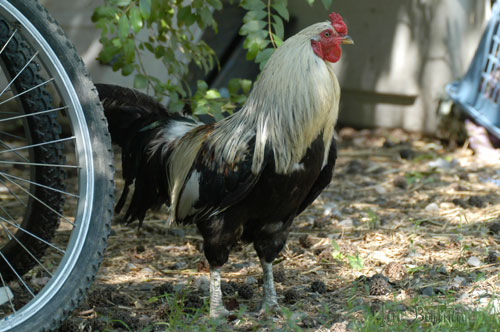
point(327, 43)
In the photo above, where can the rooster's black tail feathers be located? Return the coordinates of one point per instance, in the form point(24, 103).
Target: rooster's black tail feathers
point(135, 121)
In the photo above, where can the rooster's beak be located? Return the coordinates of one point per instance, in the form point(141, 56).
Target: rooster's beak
point(347, 40)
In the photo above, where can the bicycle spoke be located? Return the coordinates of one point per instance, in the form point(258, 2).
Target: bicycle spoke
point(7, 235)
point(33, 114)
point(8, 113)
point(17, 274)
point(2, 143)
point(8, 41)
point(38, 200)
point(8, 216)
point(5, 287)
point(38, 164)
point(14, 194)
point(39, 144)
point(57, 195)
point(39, 184)
point(12, 135)
point(26, 91)
point(33, 235)
point(27, 250)
point(19, 73)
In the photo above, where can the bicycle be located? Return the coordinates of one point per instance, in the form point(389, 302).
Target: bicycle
point(56, 172)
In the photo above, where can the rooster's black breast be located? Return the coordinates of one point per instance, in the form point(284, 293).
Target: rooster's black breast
point(279, 197)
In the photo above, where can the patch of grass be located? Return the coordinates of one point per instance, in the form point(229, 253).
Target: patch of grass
point(422, 315)
point(175, 314)
point(373, 219)
point(414, 177)
point(418, 268)
point(178, 315)
point(355, 261)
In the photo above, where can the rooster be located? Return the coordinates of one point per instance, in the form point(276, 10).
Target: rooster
point(246, 177)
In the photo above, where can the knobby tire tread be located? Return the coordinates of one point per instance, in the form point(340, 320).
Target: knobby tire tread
point(77, 284)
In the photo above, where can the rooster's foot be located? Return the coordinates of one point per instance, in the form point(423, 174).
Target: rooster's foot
point(218, 312)
point(267, 308)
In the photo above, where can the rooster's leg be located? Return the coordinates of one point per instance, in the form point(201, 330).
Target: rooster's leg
point(217, 308)
point(270, 301)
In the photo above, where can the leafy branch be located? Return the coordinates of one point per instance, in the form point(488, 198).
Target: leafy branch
point(132, 29)
point(259, 32)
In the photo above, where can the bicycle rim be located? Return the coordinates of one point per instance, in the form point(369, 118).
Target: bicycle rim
point(38, 287)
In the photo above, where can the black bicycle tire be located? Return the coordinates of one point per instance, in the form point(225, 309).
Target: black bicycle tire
point(76, 284)
point(38, 219)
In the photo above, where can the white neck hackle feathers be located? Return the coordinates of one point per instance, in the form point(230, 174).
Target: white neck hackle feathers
point(294, 100)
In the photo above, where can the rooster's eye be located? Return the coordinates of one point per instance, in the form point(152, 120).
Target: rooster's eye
point(327, 34)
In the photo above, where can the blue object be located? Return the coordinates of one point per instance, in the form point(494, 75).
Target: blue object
point(478, 92)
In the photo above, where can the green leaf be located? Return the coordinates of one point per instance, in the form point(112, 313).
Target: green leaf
point(120, 3)
point(145, 8)
point(135, 19)
point(336, 253)
point(246, 85)
point(238, 99)
point(128, 69)
point(327, 3)
point(335, 245)
point(356, 262)
point(150, 47)
point(233, 86)
point(116, 42)
point(140, 81)
point(107, 53)
point(153, 299)
point(253, 4)
point(278, 27)
point(217, 4)
point(186, 16)
point(212, 94)
point(310, 2)
point(198, 3)
point(104, 12)
point(278, 41)
point(254, 43)
point(180, 90)
point(201, 89)
point(201, 109)
point(217, 114)
point(252, 26)
point(176, 107)
point(280, 7)
point(159, 51)
point(123, 27)
point(129, 51)
point(169, 55)
point(117, 64)
point(263, 56)
point(206, 17)
point(254, 15)
point(175, 104)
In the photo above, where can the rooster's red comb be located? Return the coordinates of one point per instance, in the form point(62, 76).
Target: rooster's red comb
point(338, 23)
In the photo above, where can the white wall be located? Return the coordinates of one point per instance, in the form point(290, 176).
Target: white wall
point(405, 52)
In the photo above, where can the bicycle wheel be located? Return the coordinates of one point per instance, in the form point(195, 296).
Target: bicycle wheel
point(56, 187)
point(42, 131)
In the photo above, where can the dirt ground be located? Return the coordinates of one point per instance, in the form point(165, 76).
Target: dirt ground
point(404, 216)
